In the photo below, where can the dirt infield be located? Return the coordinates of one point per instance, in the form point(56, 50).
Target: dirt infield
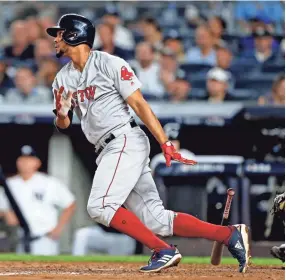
point(129, 271)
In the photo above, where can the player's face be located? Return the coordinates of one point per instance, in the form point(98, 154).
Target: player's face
point(60, 45)
point(28, 164)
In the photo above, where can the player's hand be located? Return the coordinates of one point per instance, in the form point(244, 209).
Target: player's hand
point(55, 233)
point(63, 102)
point(170, 153)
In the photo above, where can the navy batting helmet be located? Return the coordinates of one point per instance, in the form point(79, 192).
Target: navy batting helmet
point(77, 30)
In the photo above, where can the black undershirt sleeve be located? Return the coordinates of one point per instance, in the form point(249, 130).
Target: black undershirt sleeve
point(68, 129)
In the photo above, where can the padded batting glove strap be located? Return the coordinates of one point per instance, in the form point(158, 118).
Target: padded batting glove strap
point(170, 153)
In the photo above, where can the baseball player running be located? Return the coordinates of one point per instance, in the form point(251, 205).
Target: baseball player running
point(98, 87)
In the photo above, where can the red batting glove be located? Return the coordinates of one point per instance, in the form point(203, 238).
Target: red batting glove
point(170, 153)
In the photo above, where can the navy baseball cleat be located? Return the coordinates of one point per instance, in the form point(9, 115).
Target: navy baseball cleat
point(239, 247)
point(162, 259)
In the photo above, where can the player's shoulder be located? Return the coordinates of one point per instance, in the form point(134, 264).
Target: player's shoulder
point(105, 57)
point(62, 75)
point(13, 179)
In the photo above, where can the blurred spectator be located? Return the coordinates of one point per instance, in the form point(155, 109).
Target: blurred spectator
point(5, 81)
point(224, 57)
point(34, 29)
point(277, 95)
point(147, 70)
point(123, 37)
point(95, 239)
point(43, 49)
point(174, 42)
point(27, 91)
point(106, 35)
point(224, 61)
point(20, 47)
point(152, 32)
point(169, 68)
point(263, 47)
point(45, 21)
point(248, 42)
point(204, 52)
point(271, 11)
point(179, 89)
point(217, 27)
point(193, 17)
point(217, 85)
point(48, 69)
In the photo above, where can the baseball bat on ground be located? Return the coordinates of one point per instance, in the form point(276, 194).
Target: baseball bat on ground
point(217, 246)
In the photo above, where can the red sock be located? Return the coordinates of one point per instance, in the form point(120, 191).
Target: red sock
point(188, 226)
point(126, 222)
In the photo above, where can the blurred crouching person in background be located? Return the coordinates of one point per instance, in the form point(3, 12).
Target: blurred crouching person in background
point(39, 198)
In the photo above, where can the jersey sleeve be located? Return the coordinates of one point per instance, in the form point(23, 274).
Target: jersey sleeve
point(124, 78)
point(63, 197)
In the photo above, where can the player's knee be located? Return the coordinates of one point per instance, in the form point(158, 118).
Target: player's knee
point(163, 223)
point(94, 211)
point(100, 214)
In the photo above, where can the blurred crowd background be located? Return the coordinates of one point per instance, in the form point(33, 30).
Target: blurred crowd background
point(212, 50)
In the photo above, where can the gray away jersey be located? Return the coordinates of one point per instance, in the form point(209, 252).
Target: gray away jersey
point(99, 92)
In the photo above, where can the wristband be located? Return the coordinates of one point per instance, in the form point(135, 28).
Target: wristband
point(62, 118)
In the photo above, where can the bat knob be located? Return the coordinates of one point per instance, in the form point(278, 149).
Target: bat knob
point(231, 192)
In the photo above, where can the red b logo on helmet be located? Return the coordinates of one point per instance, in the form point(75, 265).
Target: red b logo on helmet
point(125, 74)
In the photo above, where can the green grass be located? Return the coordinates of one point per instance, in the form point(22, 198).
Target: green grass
point(106, 258)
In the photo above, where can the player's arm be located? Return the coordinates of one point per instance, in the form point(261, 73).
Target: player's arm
point(128, 86)
point(64, 219)
point(10, 218)
point(145, 113)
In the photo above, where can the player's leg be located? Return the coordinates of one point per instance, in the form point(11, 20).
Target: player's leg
point(45, 246)
point(118, 172)
point(144, 201)
point(94, 238)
